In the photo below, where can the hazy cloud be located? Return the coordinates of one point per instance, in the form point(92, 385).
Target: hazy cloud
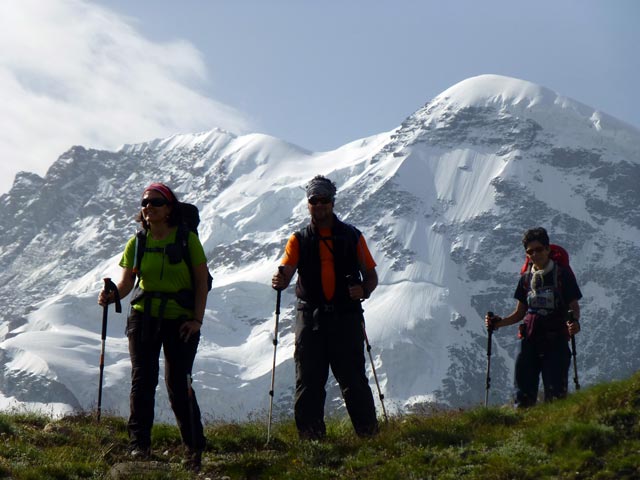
point(73, 73)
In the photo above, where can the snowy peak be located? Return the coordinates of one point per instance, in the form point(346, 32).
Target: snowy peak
point(511, 96)
point(485, 90)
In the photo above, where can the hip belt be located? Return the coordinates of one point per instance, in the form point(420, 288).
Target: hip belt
point(329, 308)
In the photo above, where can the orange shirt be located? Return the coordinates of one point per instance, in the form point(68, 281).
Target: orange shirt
point(327, 271)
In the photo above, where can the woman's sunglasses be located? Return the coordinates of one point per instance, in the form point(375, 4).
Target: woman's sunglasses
point(154, 202)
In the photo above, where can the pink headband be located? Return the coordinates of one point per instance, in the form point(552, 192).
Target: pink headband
point(163, 190)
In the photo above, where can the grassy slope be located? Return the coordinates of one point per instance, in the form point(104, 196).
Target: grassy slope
point(593, 434)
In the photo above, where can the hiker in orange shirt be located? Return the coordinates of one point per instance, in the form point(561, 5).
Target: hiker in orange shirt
point(335, 274)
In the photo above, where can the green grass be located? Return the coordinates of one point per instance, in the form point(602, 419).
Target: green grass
point(593, 434)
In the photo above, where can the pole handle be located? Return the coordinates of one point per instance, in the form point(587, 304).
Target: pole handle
point(490, 330)
point(109, 287)
point(491, 316)
point(279, 292)
point(352, 280)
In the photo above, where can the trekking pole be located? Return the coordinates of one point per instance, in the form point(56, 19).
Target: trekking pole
point(574, 353)
point(273, 367)
point(488, 381)
point(351, 281)
point(109, 287)
point(375, 375)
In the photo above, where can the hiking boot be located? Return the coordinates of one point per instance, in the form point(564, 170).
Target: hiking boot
point(368, 431)
point(309, 435)
point(140, 453)
point(193, 460)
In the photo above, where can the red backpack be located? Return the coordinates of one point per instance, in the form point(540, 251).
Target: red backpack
point(558, 254)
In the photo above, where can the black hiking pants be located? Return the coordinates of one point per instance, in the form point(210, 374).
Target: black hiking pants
point(333, 340)
point(146, 337)
point(549, 357)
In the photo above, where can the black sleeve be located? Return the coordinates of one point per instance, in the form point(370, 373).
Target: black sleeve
point(521, 292)
point(570, 289)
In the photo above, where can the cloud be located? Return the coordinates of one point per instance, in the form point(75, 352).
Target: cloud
point(74, 73)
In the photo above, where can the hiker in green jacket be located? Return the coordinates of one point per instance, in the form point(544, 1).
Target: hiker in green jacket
point(167, 312)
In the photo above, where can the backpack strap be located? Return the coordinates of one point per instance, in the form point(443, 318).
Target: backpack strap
point(527, 277)
point(141, 243)
point(182, 239)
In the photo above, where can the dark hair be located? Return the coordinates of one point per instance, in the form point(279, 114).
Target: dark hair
point(174, 216)
point(537, 234)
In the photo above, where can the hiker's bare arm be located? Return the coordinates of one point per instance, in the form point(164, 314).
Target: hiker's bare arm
point(574, 306)
point(192, 327)
point(515, 316)
point(125, 285)
point(282, 277)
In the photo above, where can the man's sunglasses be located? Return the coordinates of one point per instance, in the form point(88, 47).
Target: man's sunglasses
point(322, 200)
point(154, 202)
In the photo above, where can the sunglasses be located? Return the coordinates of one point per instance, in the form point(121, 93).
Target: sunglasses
point(322, 200)
point(154, 202)
point(531, 251)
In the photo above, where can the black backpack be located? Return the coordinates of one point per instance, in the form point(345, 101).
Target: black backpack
point(177, 252)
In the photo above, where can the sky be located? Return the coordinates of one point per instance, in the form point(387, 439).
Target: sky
point(103, 73)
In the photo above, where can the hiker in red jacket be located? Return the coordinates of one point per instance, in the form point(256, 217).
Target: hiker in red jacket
point(546, 293)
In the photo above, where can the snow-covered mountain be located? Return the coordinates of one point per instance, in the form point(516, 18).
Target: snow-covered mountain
point(442, 200)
